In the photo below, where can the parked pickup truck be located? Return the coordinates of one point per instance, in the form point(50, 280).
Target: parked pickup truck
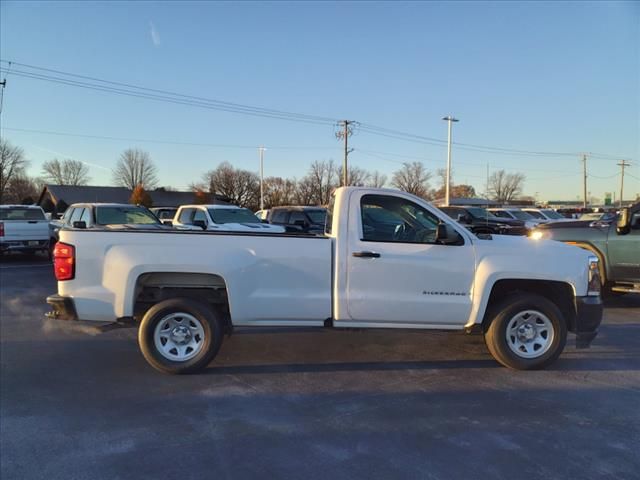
point(217, 218)
point(23, 228)
point(388, 260)
point(616, 243)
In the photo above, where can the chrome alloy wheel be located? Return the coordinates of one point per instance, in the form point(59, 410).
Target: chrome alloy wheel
point(179, 336)
point(530, 334)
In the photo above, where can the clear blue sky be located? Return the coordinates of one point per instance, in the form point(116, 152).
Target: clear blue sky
point(543, 76)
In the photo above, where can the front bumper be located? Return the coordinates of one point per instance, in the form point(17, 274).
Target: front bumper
point(589, 311)
point(63, 308)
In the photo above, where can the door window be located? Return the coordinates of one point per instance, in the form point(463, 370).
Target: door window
point(86, 216)
point(393, 219)
point(185, 216)
point(75, 216)
point(200, 215)
point(296, 217)
point(279, 216)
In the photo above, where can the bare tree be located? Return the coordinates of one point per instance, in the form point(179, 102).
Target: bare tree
point(377, 180)
point(356, 176)
point(242, 187)
point(305, 191)
point(322, 178)
point(504, 187)
point(21, 189)
point(279, 191)
point(135, 168)
point(412, 178)
point(12, 163)
point(65, 172)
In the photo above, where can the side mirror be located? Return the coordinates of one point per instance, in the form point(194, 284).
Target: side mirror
point(200, 223)
point(462, 218)
point(79, 224)
point(300, 223)
point(622, 225)
point(444, 237)
point(167, 222)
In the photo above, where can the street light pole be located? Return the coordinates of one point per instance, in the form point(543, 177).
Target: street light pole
point(450, 120)
point(261, 150)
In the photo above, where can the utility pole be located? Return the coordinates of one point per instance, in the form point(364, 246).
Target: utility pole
point(345, 133)
point(450, 120)
point(584, 180)
point(261, 150)
point(622, 164)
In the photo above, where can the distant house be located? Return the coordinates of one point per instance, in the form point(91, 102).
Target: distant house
point(56, 198)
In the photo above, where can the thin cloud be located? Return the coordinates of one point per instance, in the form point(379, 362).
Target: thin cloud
point(155, 36)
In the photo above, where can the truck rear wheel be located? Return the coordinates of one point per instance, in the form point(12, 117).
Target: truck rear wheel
point(180, 335)
point(527, 332)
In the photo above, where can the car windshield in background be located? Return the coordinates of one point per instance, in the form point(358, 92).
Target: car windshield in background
point(477, 212)
point(233, 215)
point(520, 215)
point(21, 214)
point(124, 215)
point(317, 216)
point(553, 214)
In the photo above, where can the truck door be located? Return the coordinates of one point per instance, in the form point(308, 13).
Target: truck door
point(397, 274)
point(624, 252)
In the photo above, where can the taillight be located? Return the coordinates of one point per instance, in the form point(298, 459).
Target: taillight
point(64, 261)
point(1, 229)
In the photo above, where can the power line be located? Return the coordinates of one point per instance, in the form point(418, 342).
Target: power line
point(121, 88)
point(269, 111)
point(168, 142)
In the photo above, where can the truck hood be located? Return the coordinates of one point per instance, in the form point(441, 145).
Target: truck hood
point(246, 227)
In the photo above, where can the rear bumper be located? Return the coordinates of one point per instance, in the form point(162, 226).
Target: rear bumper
point(589, 311)
point(23, 245)
point(63, 308)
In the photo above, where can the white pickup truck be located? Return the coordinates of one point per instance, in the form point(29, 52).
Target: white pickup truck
point(388, 260)
point(23, 228)
point(221, 218)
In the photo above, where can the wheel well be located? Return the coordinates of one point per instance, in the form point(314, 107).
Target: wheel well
point(598, 253)
point(155, 287)
point(560, 293)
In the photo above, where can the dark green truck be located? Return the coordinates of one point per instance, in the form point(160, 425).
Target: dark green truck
point(616, 243)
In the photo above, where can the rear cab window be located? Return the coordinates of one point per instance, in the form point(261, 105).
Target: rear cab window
point(21, 213)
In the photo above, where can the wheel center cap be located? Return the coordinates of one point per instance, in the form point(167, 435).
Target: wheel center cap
point(527, 332)
point(180, 334)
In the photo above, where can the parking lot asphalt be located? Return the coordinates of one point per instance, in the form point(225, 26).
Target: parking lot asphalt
point(312, 404)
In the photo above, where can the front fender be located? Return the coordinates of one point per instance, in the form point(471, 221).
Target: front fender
point(544, 262)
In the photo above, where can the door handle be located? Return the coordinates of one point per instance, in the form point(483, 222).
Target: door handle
point(366, 254)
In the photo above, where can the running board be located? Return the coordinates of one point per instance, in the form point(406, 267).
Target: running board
point(626, 289)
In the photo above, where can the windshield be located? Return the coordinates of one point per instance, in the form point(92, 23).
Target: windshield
point(21, 214)
point(553, 214)
point(520, 215)
point(123, 215)
point(477, 212)
point(233, 215)
point(536, 214)
point(317, 216)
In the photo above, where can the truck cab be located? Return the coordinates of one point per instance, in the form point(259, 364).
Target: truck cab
point(222, 218)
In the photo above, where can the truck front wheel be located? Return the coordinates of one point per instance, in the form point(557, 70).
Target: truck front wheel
point(180, 335)
point(526, 332)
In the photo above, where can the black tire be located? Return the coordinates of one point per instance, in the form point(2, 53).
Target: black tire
point(209, 320)
point(497, 338)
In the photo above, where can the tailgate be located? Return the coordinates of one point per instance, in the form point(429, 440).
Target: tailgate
point(25, 230)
